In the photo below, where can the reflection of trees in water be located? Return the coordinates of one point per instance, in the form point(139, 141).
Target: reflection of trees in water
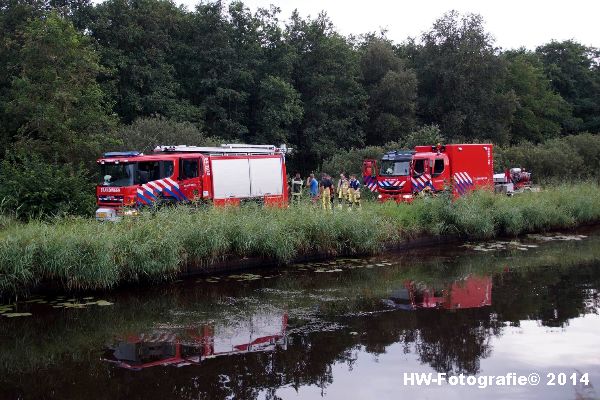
point(549, 295)
point(451, 342)
point(455, 342)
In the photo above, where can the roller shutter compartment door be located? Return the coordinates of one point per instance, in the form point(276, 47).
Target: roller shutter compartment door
point(265, 176)
point(231, 178)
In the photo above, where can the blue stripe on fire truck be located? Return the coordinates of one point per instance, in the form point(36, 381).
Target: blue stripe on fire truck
point(371, 183)
point(175, 186)
point(422, 182)
point(152, 189)
point(141, 198)
point(463, 182)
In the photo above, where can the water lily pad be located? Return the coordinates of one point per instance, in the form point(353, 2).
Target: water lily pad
point(17, 314)
point(72, 305)
point(479, 248)
point(104, 303)
point(88, 298)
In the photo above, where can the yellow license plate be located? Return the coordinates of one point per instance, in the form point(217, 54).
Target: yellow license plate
point(102, 215)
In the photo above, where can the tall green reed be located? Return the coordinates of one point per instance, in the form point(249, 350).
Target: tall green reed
point(81, 253)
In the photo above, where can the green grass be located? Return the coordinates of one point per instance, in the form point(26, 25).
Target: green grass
point(81, 253)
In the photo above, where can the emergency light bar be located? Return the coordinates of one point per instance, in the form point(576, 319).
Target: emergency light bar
point(240, 145)
point(398, 155)
point(223, 149)
point(114, 154)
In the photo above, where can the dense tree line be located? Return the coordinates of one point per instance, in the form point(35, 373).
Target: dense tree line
point(78, 78)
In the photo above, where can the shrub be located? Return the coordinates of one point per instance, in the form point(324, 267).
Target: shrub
point(567, 158)
point(350, 161)
point(144, 134)
point(33, 188)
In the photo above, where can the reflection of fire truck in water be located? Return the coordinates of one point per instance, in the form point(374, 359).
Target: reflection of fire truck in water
point(472, 292)
point(259, 333)
point(223, 175)
point(456, 168)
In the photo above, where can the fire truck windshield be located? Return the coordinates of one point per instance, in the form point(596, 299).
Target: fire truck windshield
point(128, 174)
point(117, 174)
point(394, 168)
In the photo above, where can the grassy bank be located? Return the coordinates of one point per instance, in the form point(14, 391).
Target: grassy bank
point(84, 254)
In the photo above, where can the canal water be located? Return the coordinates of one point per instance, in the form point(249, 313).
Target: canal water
point(345, 329)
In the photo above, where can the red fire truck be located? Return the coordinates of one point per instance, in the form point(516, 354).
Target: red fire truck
point(401, 175)
point(228, 174)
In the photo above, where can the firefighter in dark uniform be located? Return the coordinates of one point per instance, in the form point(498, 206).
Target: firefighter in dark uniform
point(354, 192)
point(297, 184)
point(326, 191)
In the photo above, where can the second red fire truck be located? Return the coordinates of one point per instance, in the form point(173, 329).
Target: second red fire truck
point(457, 168)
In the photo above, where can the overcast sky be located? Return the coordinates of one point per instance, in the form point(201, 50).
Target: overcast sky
point(513, 23)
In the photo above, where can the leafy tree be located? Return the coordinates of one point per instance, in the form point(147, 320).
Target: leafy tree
point(228, 60)
point(460, 74)
point(55, 106)
point(426, 135)
point(574, 72)
point(326, 74)
point(539, 112)
point(201, 58)
point(137, 39)
point(279, 107)
point(15, 15)
point(392, 92)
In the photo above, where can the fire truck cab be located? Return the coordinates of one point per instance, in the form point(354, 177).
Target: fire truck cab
point(402, 175)
point(222, 175)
